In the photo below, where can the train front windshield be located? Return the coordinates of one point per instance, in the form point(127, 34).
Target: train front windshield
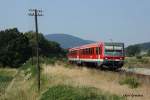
point(114, 49)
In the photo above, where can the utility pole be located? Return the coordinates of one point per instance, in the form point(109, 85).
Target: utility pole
point(35, 13)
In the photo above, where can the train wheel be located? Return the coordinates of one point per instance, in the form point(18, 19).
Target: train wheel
point(70, 62)
point(83, 64)
point(101, 67)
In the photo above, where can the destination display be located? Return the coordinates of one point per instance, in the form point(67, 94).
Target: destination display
point(113, 47)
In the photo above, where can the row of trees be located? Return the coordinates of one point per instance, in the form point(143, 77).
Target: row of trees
point(135, 50)
point(16, 47)
point(148, 53)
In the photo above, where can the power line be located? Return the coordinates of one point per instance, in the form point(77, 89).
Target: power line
point(35, 13)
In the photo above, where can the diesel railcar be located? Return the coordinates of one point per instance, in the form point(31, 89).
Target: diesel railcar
point(101, 54)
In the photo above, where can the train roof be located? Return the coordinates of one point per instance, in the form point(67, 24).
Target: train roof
point(87, 46)
point(114, 43)
point(95, 44)
point(91, 45)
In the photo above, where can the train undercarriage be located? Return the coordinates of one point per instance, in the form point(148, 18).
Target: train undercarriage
point(112, 65)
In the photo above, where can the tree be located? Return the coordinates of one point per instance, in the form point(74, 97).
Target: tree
point(148, 52)
point(46, 48)
point(133, 50)
point(14, 48)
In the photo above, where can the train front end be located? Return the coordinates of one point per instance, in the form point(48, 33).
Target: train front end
point(113, 55)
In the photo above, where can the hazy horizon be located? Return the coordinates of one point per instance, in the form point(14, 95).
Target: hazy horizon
point(122, 21)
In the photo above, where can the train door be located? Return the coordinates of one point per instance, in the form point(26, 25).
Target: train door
point(78, 54)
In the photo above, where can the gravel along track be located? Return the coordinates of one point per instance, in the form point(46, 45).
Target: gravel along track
point(143, 71)
point(142, 74)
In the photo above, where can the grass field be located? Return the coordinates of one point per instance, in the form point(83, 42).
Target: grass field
point(6, 76)
point(144, 62)
point(62, 81)
point(106, 81)
point(65, 92)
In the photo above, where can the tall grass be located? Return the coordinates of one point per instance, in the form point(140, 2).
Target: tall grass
point(64, 82)
point(134, 62)
point(4, 82)
point(6, 76)
point(65, 92)
point(130, 81)
point(30, 66)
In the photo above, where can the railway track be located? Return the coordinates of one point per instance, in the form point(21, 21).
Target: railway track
point(143, 76)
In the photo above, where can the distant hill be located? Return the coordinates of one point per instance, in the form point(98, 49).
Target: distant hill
point(67, 41)
point(144, 46)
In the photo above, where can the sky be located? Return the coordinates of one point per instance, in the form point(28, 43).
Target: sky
point(125, 21)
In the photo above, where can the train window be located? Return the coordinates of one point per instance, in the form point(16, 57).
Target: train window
point(80, 51)
point(88, 50)
point(98, 50)
point(73, 52)
point(83, 51)
point(92, 50)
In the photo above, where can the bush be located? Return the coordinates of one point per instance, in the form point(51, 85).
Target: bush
point(48, 60)
point(5, 78)
point(64, 92)
point(14, 48)
point(4, 82)
point(30, 67)
point(132, 82)
point(138, 57)
point(148, 52)
point(144, 61)
point(133, 50)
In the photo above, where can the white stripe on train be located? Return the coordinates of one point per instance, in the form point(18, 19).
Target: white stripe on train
point(90, 60)
point(93, 60)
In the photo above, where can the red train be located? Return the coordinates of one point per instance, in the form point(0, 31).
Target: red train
point(101, 54)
